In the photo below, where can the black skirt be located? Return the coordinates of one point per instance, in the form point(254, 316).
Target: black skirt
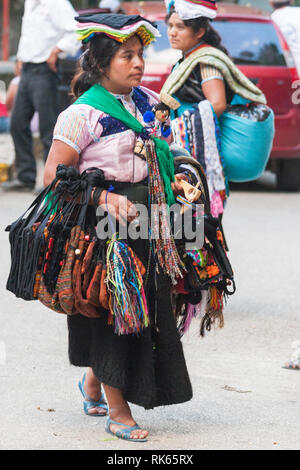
point(149, 369)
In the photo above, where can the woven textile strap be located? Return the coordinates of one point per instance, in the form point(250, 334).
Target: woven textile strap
point(235, 79)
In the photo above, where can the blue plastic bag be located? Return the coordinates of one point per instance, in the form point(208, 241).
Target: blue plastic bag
point(246, 145)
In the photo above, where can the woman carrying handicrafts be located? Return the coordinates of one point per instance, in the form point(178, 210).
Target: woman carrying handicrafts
point(129, 295)
point(101, 129)
point(200, 87)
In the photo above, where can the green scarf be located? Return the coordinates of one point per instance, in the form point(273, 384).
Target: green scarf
point(99, 98)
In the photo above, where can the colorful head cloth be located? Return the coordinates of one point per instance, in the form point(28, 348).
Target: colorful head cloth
point(117, 27)
point(190, 9)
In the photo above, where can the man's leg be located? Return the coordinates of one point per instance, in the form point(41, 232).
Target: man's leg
point(4, 124)
point(22, 114)
point(45, 102)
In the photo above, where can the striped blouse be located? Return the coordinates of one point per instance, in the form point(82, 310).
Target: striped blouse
point(208, 72)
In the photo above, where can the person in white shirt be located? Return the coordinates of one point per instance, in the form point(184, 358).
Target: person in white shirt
point(113, 5)
point(48, 33)
point(287, 18)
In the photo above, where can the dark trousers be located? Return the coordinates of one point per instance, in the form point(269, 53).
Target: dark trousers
point(37, 92)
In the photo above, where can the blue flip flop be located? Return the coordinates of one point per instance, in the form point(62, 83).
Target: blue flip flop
point(89, 403)
point(123, 433)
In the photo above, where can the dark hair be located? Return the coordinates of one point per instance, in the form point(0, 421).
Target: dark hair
point(211, 37)
point(98, 55)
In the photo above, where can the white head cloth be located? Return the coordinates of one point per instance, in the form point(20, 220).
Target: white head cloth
point(187, 10)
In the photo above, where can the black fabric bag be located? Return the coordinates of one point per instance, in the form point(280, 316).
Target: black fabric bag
point(54, 212)
point(25, 245)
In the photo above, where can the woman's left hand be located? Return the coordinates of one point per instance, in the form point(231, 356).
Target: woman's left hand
point(176, 186)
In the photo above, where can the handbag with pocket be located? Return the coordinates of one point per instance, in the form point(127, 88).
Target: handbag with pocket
point(93, 289)
point(81, 278)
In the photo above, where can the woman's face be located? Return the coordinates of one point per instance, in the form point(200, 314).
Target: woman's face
point(126, 68)
point(181, 36)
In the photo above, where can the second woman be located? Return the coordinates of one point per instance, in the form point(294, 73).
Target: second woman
point(200, 87)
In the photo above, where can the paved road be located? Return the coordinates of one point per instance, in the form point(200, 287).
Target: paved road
point(243, 398)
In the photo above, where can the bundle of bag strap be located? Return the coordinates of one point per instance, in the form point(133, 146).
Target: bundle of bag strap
point(57, 258)
point(209, 278)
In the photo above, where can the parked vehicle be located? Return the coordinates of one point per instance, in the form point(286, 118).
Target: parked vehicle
point(260, 51)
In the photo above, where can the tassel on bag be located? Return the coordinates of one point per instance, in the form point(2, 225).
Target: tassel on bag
point(162, 238)
point(128, 305)
point(214, 313)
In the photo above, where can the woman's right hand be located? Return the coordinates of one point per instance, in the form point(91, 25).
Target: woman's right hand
point(119, 206)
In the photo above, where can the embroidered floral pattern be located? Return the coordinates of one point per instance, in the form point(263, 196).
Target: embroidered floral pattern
point(137, 99)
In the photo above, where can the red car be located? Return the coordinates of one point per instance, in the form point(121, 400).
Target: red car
point(260, 51)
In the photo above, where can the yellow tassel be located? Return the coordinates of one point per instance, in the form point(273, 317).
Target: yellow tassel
point(216, 305)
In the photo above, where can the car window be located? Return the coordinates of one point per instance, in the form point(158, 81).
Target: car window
point(261, 4)
point(251, 42)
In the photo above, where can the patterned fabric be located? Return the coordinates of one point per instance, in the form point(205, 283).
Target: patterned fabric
point(208, 72)
point(71, 130)
point(200, 257)
point(112, 126)
point(235, 79)
point(100, 98)
point(136, 103)
point(93, 290)
point(179, 132)
point(64, 281)
point(81, 279)
point(196, 131)
point(90, 132)
point(189, 9)
point(50, 301)
point(141, 99)
point(214, 170)
point(117, 27)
